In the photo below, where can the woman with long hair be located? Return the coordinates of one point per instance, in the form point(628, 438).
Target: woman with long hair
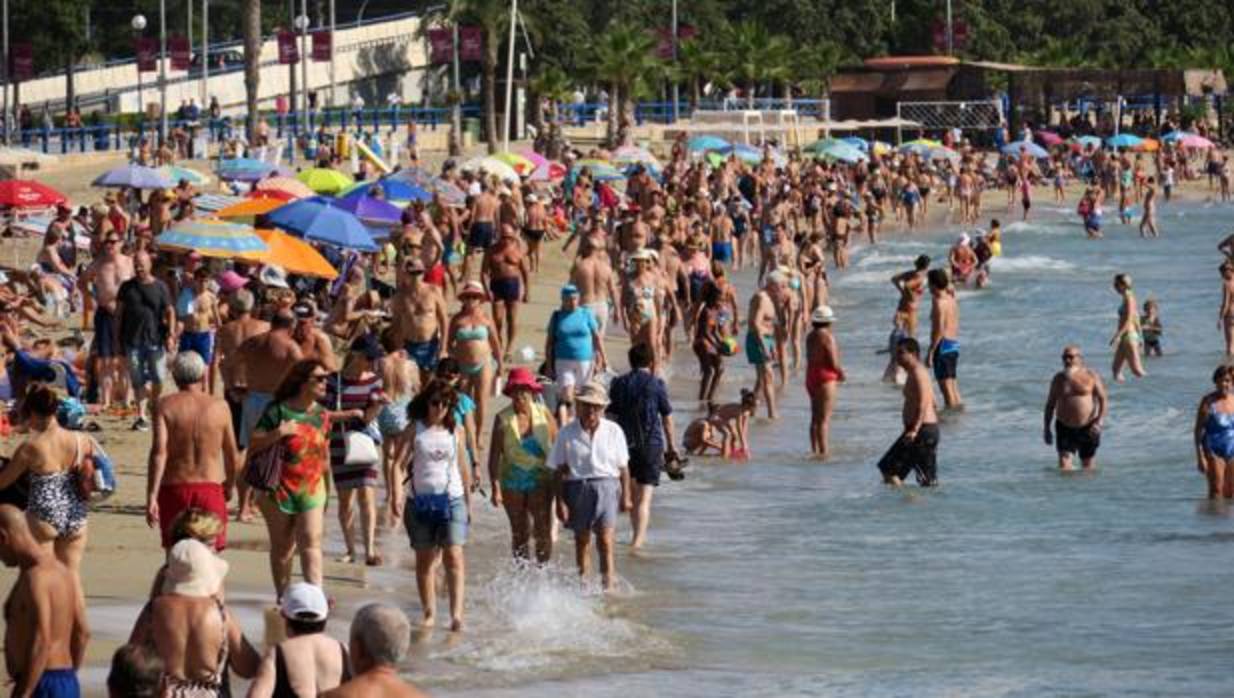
point(438, 507)
point(1127, 338)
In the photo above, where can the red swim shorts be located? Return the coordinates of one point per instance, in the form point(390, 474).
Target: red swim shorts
point(177, 498)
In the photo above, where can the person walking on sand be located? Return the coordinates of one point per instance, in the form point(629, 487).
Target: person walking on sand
point(147, 326)
point(193, 453)
point(380, 636)
point(45, 628)
point(916, 448)
point(944, 353)
point(823, 376)
point(240, 327)
point(591, 460)
point(420, 318)
point(103, 279)
point(1077, 403)
point(1126, 340)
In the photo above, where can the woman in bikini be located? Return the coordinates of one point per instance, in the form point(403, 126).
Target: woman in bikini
point(474, 343)
point(1126, 339)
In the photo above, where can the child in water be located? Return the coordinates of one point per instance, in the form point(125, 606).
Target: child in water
point(702, 434)
point(733, 422)
point(1151, 329)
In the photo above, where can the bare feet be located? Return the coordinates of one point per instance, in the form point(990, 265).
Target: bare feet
point(456, 625)
point(374, 560)
point(428, 621)
point(346, 559)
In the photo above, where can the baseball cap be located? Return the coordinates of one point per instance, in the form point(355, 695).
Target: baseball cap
point(304, 601)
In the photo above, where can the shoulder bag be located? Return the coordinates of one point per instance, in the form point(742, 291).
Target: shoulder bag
point(358, 447)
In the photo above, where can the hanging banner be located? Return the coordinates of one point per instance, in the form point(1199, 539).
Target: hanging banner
point(288, 53)
point(147, 50)
point(181, 52)
point(322, 41)
point(21, 61)
point(664, 40)
point(471, 43)
point(440, 46)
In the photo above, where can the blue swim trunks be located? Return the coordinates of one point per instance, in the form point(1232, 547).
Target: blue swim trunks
point(57, 683)
point(425, 354)
point(760, 350)
point(722, 252)
point(200, 342)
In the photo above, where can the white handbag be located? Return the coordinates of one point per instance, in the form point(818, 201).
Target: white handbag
point(358, 447)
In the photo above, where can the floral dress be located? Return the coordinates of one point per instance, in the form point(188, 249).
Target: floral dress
point(302, 482)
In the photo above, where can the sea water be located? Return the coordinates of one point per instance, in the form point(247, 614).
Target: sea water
point(784, 576)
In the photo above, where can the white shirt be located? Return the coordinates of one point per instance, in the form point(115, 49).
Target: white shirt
point(603, 454)
point(434, 465)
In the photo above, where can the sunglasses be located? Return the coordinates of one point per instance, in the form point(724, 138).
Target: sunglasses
point(112, 241)
point(438, 403)
point(1068, 357)
point(319, 377)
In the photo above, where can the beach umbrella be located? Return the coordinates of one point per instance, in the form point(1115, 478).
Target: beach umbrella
point(1148, 145)
point(491, 165)
point(537, 160)
point(315, 219)
point(1049, 138)
point(249, 208)
point(881, 147)
point(521, 165)
point(920, 144)
point(634, 155)
point(1017, 147)
point(941, 153)
point(549, 172)
point(209, 237)
point(601, 170)
point(370, 209)
point(714, 158)
point(27, 193)
point(392, 189)
point(699, 144)
point(271, 194)
point(176, 173)
point(244, 169)
point(837, 150)
point(1086, 142)
point(450, 193)
point(1198, 142)
point(295, 255)
point(134, 177)
point(1123, 140)
point(857, 142)
point(324, 180)
point(288, 186)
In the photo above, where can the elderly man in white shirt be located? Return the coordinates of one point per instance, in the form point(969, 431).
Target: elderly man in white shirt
point(591, 460)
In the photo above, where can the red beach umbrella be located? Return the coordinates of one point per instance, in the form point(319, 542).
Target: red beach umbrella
point(27, 193)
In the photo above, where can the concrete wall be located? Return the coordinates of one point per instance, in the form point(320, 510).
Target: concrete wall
point(372, 60)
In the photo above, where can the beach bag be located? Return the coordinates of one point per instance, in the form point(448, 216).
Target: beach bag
point(263, 469)
point(84, 469)
point(359, 447)
point(104, 472)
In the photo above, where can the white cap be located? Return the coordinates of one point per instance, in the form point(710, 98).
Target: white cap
point(822, 314)
point(273, 275)
point(304, 601)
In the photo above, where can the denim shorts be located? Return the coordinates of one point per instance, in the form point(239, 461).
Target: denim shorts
point(147, 365)
point(431, 535)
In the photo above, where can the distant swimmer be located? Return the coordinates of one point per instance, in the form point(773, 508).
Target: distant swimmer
point(1126, 339)
point(1214, 435)
point(916, 448)
point(1077, 403)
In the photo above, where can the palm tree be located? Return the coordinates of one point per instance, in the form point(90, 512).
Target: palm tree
point(778, 66)
point(816, 65)
point(554, 85)
point(493, 17)
point(699, 62)
point(623, 59)
point(748, 42)
point(252, 62)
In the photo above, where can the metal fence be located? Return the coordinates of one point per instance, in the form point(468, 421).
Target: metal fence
point(943, 116)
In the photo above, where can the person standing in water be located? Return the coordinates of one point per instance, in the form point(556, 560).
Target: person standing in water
point(1126, 339)
point(1225, 316)
point(823, 376)
point(944, 353)
point(1077, 403)
point(911, 285)
point(916, 448)
point(1214, 435)
point(1148, 221)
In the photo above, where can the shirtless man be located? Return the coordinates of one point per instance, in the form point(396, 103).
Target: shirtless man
point(314, 342)
point(198, 326)
point(1148, 221)
point(231, 337)
point(106, 273)
point(944, 351)
point(761, 337)
point(419, 311)
point(193, 454)
point(45, 631)
point(380, 635)
point(1077, 403)
point(962, 259)
point(915, 449)
point(534, 229)
point(262, 362)
point(507, 275)
point(483, 222)
point(597, 285)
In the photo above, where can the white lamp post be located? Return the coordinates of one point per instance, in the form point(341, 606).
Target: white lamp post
point(163, 69)
point(302, 23)
point(139, 25)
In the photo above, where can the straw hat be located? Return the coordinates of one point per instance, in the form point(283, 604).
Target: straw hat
point(194, 570)
point(593, 392)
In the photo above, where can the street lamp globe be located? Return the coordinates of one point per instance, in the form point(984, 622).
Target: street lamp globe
point(138, 23)
point(301, 23)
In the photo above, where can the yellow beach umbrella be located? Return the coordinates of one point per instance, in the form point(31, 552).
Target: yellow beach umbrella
point(324, 180)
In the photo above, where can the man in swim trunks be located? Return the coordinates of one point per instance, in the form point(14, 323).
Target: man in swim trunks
point(193, 453)
point(507, 275)
point(106, 273)
point(1077, 403)
point(916, 449)
point(592, 273)
point(483, 221)
point(45, 631)
point(419, 311)
point(264, 360)
point(944, 354)
point(761, 336)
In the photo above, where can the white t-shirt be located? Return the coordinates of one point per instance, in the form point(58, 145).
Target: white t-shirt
point(602, 454)
point(434, 464)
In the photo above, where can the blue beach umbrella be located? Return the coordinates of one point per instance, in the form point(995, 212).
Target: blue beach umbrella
point(1034, 150)
point(857, 142)
point(1088, 141)
point(315, 219)
point(393, 189)
point(1123, 140)
point(369, 209)
point(699, 144)
point(134, 177)
point(244, 169)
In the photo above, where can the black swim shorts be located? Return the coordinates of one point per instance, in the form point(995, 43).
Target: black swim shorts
point(945, 365)
point(918, 455)
point(1083, 440)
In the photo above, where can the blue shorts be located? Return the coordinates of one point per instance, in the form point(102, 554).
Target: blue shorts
point(592, 503)
point(480, 236)
point(200, 342)
point(945, 365)
point(425, 354)
point(255, 404)
point(106, 341)
point(759, 350)
point(722, 252)
point(147, 365)
point(508, 289)
point(436, 535)
point(57, 683)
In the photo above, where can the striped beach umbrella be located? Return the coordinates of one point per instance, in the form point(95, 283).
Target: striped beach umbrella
point(210, 237)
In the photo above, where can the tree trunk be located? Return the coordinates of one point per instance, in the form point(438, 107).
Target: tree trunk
point(750, 89)
point(610, 137)
point(70, 93)
point(252, 63)
point(491, 134)
point(625, 127)
point(694, 94)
